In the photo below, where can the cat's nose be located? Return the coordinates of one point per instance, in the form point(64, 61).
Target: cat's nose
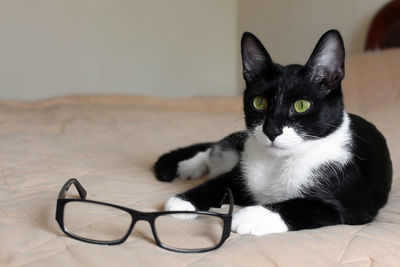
point(272, 132)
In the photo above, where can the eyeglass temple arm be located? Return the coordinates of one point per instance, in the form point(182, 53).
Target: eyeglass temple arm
point(231, 202)
point(82, 192)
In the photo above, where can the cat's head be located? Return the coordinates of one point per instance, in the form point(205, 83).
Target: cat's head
point(287, 107)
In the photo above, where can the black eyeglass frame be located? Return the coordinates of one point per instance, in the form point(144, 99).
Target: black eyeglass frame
point(136, 216)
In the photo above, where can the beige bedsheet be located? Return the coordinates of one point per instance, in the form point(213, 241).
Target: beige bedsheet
point(110, 143)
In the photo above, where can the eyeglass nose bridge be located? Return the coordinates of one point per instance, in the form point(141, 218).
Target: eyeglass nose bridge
point(138, 216)
point(141, 216)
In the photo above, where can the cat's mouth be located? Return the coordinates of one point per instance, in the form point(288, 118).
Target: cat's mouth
point(275, 146)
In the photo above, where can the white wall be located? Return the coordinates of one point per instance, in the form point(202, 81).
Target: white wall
point(158, 47)
point(153, 47)
point(290, 28)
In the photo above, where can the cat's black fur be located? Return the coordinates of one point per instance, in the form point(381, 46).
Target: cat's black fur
point(351, 193)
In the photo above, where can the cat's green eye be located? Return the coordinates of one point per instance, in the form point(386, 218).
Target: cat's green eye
point(260, 103)
point(302, 105)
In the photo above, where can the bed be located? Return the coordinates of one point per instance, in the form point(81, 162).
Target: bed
point(110, 144)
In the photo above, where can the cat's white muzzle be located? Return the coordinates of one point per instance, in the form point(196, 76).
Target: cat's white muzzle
point(284, 144)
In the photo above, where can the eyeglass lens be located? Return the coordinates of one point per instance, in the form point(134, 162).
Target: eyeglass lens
point(95, 221)
point(201, 232)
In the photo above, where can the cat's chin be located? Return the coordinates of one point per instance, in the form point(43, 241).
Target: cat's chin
point(277, 149)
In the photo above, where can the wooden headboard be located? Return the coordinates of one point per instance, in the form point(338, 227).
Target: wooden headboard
point(384, 31)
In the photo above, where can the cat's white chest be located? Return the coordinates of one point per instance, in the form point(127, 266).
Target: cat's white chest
point(272, 179)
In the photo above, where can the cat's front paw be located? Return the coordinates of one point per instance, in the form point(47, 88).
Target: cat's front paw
point(257, 220)
point(178, 204)
point(165, 168)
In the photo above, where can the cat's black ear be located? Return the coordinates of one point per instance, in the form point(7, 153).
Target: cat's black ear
point(326, 64)
point(256, 60)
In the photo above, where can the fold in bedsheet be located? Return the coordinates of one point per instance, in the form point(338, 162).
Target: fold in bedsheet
point(110, 143)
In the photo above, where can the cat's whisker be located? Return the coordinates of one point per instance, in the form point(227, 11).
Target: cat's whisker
point(352, 132)
point(239, 119)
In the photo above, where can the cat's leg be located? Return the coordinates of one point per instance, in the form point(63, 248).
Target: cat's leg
point(210, 193)
point(194, 161)
point(166, 167)
point(290, 215)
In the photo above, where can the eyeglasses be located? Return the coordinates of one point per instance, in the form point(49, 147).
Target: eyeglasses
point(108, 224)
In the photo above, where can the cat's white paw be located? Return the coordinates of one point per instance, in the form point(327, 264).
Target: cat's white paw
point(257, 220)
point(178, 204)
point(194, 167)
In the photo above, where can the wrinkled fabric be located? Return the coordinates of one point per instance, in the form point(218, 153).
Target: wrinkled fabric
point(110, 144)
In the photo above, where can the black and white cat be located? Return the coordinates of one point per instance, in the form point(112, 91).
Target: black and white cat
point(303, 161)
